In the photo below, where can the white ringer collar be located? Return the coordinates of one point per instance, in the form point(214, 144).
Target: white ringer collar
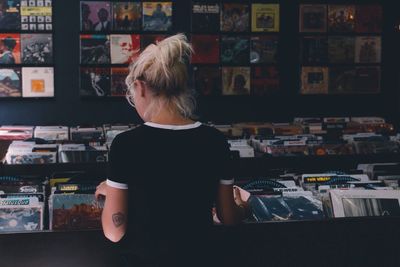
point(173, 127)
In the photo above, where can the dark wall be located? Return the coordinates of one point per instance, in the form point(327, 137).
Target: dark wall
point(68, 108)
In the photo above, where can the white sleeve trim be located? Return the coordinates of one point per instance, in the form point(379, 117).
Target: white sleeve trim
point(116, 185)
point(227, 182)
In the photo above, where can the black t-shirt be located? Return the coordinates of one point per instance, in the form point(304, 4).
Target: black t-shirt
point(172, 174)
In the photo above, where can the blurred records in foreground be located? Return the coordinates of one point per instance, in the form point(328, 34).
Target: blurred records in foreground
point(157, 16)
point(313, 18)
point(95, 82)
point(207, 80)
point(265, 18)
point(205, 17)
point(127, 16)
point(264, 80)
point(314, 80)
point(234, 17)
point(10, 82)
point(235, 80)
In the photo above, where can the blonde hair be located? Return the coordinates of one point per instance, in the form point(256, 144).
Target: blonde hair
point(163, 66)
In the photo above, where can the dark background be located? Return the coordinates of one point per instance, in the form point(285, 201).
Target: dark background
point(69, 108)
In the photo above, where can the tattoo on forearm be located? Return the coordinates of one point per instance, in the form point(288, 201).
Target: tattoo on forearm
point(118, 219)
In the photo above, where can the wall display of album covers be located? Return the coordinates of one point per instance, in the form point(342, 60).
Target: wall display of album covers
point(235, 80)
point(118, 77)
point(37, 48)
point(206, 49)
point(36, 15)
point(125, 48)
point(207, 80)
point(10, 82)
point(96, 16)
point(205, 17)
point(10, 45)
point(235, 17)
point(341, 18)
point(95, 82)
point(37, 82)
point(127, 16)
point(265, 18)
point(314, 50)
point(313, 18)
point(264, 49)
point(235, 50)
point(95, 49)
point(369, 19)
point(314, 80)
point(264, 80)
point(10, 17)
point(157, 16)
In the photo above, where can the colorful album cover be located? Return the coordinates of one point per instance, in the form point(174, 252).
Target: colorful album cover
point(10, 48)
point(96, 16)
point(235, 80)
point(10, 82)
point(341, 18)
point(234, 17)
point(207, 80)
point(157, 16)
point(314, 50)
point(127, 16)
point(263, 49)
point(20, 219)
point(37, 48)
point(341, 80)
point(95, 49)
point(265, 17)
point(368, 79)
point(206, 49)
point(37, 82)
point(264, 80)
point(36, 15)
point(313, 18)
point(147, 39)
point(205, 17)
point(125, 48)
point(75, 211)
point(118, 85)
point(314, 80)
point(10, 15)
point(235, 50)
point(368, 49)
point(95, 82)
point(369, 18)
point(341, 49)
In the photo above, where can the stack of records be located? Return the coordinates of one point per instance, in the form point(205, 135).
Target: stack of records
point(111, 131)
point(52, 133)
point(87, 134)
point(16, 132)
point(80, 153)
point(21, 152)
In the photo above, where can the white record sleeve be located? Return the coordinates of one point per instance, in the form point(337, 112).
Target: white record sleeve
point(37, 82)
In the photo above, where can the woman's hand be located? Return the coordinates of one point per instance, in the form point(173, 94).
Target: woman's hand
point(101, 190)
point(241, 199)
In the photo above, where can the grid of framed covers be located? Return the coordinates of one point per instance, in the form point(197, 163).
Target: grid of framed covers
point(112, 36)
point(26, 49)
point(236, 47)
point(340, 48)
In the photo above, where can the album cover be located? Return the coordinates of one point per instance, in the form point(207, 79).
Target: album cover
point(37, 48)
point(147, 39)
point(86, 134)
point(368, 49)
point(314, 80)
point(10, 82)
point(314, 50)
point(369, 18)
point(263, 49)
point(264, 80)
point(207, 80)
point(95, 49)
point(32, 158)
point(265, 17)
point(342, 80)
point(37, 82)
point(118, 85)
point(235, 50)
point(96, 16)
point(95, 82)
point(125, 48)
point(341, 18)
point(368, 79)
point(80, 153)
point(52, 133)
point(313, 18)
point(235, 80)
point(10, 15)
point(36, 15)
point(10, 48)
point(341, 49)
point(127, 16)
point(234, 17)
point(157, 16)
point(21, 214)
point(205, 17)
point(206, 49)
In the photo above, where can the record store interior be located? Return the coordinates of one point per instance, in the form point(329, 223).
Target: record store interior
point(302, 94)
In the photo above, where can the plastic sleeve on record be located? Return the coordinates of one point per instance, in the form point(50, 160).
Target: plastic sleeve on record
point(116, 185)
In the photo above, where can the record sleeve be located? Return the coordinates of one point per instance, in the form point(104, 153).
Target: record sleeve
point(36, 15)
point(37, 48)
point(157, 16)
point(10, 48)
point(37, 82)
point(206, 49)
point(95, 82)
point(265, 17)
point(207, 80)
point(369, 18)
point(125, 48)
point(313, 18)
point(368, 79)
point(205, 17)
point(342, 80)
point(235, 80)
point(314, 80)
point(96, 16)
point(147, 39)
point(314, 50)
point(264, 80)
point(341, 18)
point(95, 49)
point(368, 49)
point(127, 16)
point(234, 17)
point(341, 49)
point(118, 85)
point(235, 50)
point(263, 49)
point(10, 15)
point(10, 82)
